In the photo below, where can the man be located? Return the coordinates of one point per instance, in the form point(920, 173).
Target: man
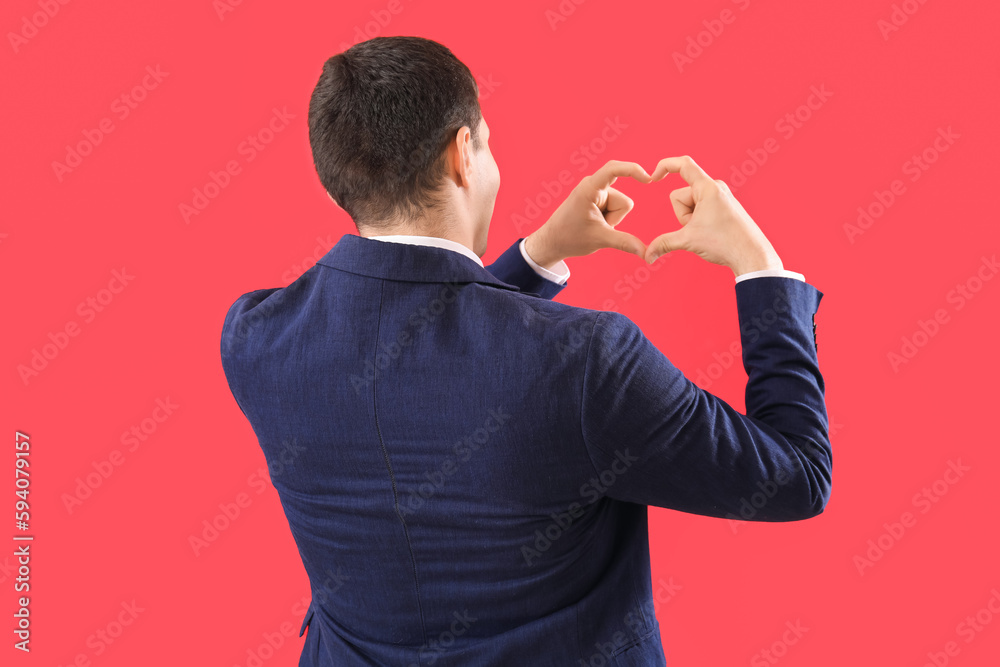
point(465, 465)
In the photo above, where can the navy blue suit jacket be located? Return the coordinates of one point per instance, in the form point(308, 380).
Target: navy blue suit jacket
point(465, 465)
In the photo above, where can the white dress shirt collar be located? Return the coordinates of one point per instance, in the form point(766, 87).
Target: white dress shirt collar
point(432, 241)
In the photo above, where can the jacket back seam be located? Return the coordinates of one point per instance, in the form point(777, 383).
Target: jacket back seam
point(392, 477)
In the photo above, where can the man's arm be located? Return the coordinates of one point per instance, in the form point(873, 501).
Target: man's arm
point(514, 268)
point(686, 448)
point(680, 447)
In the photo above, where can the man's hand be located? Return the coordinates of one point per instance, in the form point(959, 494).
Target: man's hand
point(714, 225)
point(585, 222)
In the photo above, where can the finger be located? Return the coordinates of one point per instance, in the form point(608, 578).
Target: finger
point(683, 165)
point(683, 203)
point(665, 243)
point(607, 174)
point(612, 238)
point(616, 207)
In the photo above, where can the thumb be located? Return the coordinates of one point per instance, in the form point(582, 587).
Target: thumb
point(663, 244)
point(623, 241)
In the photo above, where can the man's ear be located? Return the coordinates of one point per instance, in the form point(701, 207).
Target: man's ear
point(460, 155)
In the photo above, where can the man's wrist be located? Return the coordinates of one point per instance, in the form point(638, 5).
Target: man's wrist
point(539, 251)
point(757, 262)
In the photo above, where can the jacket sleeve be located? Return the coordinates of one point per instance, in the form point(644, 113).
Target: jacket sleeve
point(656, 438)
point(511, 268)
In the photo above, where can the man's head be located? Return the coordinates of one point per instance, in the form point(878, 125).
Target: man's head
point(399, 141)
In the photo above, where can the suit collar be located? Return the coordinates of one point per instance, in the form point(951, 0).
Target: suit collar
point(412, 263)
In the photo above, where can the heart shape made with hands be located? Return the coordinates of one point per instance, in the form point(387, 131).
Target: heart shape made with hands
point(586, 221)
point(713, 223)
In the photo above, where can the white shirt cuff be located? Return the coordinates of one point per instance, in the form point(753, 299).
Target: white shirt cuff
point(559, 273)
point(779, 273)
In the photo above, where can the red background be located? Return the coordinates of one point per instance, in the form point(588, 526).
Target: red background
point(894, 429)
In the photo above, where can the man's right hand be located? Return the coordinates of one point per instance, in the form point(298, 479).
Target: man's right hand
point(586, 221)
point(714, 225)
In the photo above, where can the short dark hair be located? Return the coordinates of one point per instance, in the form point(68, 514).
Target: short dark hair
point(380, 118)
